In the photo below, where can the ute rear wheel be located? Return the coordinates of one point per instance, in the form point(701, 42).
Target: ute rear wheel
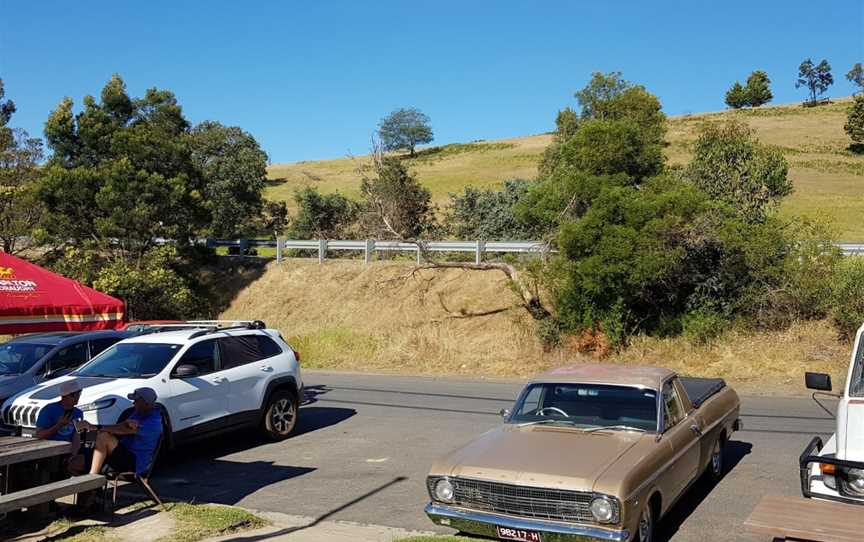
point(280, 415)
point(716, 464)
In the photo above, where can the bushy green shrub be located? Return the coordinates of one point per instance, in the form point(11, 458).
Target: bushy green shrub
point(664, 258)
point(702, 326)
point(848, 296)
point(488, 214)
point(322, 216)
point(151, 286)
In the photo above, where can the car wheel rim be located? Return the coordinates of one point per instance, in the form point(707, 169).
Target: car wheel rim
point(645, 525)
point(717, 459)
point(282, 417)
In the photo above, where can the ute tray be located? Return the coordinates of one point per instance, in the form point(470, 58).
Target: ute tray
point(701, 389)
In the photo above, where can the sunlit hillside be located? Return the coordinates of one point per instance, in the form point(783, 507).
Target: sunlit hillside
point(828, 177)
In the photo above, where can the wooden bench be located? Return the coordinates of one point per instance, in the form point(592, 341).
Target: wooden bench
point(26, 498)
point(797, 518)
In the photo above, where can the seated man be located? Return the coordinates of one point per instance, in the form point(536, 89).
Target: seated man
point(129, 445)
point(60, 421)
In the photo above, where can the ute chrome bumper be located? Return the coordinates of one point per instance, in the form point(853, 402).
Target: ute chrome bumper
point(484, 524)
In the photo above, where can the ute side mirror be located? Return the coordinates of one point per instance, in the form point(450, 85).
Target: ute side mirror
point(504, 412)
point(186, 371)
point(817, 381)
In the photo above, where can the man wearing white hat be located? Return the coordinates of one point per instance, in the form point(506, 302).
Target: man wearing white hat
point(57, 421)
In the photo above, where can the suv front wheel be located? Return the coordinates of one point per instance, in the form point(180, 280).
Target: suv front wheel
point(280, 415)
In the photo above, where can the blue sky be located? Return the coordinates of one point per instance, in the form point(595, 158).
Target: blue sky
point(312, 79)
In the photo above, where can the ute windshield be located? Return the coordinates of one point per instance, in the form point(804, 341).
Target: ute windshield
point(587, 406)
point(130, 360)
point(17, 358)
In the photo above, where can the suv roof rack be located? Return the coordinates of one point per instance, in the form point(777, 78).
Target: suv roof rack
point(215, 326)
point(252, 324)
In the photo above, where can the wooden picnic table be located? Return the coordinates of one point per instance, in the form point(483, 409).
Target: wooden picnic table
point(23, 449)
point(29, 462)
point(797, 518)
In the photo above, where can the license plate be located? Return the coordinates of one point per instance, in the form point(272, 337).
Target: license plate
point(506, 533)
point(29, 433)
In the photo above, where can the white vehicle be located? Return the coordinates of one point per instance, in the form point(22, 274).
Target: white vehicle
point(207, 380)
point(835, 471)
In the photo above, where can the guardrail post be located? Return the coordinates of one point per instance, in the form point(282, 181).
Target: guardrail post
point(244, 245)
point(478, 252)
point(322, 250)
point(367, 255)
point(278, 250)
point(419, 255)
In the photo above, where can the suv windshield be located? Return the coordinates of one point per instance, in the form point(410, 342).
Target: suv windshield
point(16, 358)
point(587, 406)
point(130, 360)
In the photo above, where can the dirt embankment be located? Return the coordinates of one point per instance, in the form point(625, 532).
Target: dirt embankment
point(382, 318)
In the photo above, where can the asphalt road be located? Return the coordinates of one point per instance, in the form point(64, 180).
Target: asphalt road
point(365, 442)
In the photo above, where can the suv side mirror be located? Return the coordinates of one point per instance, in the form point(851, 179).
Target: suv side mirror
point(186, 371)
point(817, 381)
point(504, 412)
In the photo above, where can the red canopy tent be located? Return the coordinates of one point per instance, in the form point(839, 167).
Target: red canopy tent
point(34, 299)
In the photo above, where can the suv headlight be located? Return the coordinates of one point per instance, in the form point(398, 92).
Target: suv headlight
point(605, 509)
point(98, 405)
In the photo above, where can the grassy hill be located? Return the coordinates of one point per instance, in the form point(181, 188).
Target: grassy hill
point(383, 318)
point(828, 178)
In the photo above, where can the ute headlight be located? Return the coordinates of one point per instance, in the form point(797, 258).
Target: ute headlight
point(98, 405)
point(604, 510)
point(444, 491)
point(855, 480)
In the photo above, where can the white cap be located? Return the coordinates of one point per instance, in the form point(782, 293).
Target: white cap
point(70, 387)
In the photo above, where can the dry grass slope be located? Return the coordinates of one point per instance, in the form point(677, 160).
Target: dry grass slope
point(346, 315)
point(828, 178)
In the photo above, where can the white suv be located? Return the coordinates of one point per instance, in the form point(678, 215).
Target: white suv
point(207, 380)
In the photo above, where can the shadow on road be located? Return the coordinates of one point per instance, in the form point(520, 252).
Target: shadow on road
point(221, 481)
point(322, 517)
point(198, 472)
point(735, 452)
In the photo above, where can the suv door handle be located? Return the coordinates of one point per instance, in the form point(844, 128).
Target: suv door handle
point(266, 368)
point(696, 430)
point(220, 380)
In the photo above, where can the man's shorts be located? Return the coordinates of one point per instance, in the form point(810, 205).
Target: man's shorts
point(121, 459)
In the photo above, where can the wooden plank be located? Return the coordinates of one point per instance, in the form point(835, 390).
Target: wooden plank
point(806, 519)
point(23, 449)
point(48, 492)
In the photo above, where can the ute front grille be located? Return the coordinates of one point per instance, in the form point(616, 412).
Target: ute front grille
point(524, 501)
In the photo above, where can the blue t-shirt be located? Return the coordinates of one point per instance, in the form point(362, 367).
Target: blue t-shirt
point(49, 416)
point(143, 443)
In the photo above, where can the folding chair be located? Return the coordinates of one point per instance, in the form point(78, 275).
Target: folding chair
point(141, 479)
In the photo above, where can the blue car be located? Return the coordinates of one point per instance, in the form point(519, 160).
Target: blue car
point(30, 359)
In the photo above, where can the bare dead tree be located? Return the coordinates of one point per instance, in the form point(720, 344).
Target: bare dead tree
point(383, 223)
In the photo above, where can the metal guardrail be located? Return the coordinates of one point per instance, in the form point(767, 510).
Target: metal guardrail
point(851, 249)
point(370, 246)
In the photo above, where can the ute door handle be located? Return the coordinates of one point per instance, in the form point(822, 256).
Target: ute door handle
point(266, 368)
point(696, 430)
point(220, 380)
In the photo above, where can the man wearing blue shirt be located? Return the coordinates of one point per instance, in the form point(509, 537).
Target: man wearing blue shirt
point(129, 445)
point(59, 421)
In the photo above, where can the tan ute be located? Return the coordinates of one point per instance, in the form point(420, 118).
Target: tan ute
point(589, 452)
